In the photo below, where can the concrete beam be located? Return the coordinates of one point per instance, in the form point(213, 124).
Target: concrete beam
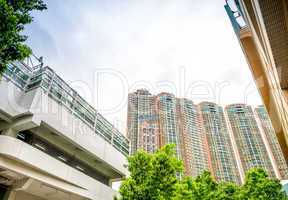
point(22, 184)
point(5, 117)
point(24, 123)
point(20, 124)
point(10, 195)
point(10, 132)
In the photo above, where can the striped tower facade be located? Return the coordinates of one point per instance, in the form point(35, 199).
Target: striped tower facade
point(193, 142)
point(273, 145)
point(250, 145)
point(227, 142)
point(223, 161)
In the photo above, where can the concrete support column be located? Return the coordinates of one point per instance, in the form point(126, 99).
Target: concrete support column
point(10, 132)
point(10, 195)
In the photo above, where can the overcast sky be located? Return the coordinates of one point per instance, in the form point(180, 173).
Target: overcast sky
point(105, 48)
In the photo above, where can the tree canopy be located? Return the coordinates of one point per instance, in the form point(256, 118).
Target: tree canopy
point(159, 177)
point(152, 176)
point(14, 15)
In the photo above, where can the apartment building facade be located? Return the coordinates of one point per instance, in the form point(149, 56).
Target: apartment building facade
point(227, 142)
point(142, 122)
point(53, 144)
point(193, 142)
point(250, 146)
point(223, 160)
point(268, 134)
point(171, 121)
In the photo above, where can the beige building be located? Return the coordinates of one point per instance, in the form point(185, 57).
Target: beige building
point(262, 29)
point(250, 146)
point(53, 144)
point(223, 162)
point(156, 120)
point(269, 136)
point(227, 142)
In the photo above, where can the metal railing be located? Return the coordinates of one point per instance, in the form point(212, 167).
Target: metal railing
point(235, 15)
point(52, 84)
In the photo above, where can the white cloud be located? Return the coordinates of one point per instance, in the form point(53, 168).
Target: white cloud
point(147, 41)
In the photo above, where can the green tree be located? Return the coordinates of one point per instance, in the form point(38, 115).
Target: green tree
point(258, 186)
point(158, 177)
point(14, 15)
point(184, 190)
point(226, 191)
point(152, 176)
point(204, 187)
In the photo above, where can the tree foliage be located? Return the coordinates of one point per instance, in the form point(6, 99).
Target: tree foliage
point(14, 15)
point(259, 186)
point(152, 176)
point(158, 177)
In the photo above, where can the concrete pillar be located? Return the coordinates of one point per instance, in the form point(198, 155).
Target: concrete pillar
point(10, 195)
point(10, 132)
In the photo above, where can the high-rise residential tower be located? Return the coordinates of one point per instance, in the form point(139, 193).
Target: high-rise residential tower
point(226, 142)
point(143, 126)
point(262, 29)
point(168, 116)
point(273, 146)
point(250, 144)
point(223, 160)
point(156, 120)
point(194, 146)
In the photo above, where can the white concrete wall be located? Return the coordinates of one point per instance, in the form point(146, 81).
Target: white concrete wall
point(45, 110)
point(19, 195)
point(10, 97)
point(26, 160)
point(62, 121)
point(25, 196)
